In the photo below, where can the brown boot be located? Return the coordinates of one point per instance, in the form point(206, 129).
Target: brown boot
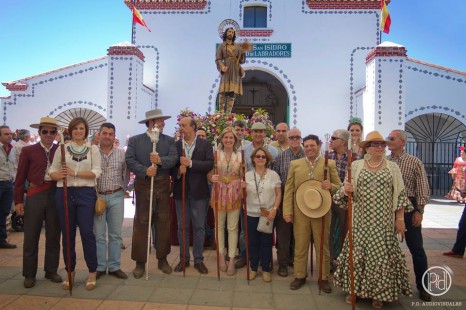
point(230, 103)
point(221, 103)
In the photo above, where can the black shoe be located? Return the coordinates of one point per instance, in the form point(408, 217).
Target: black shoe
point(424, 296)
point(138, 272)
point(179, 267)
point(164, 266)
point(326, 287)
point(119, 274)
point(99, 274)
point(6, 245)
point(283, 271)
point(297, 283)
point(201, 268)
point(29, 282)
point(240, 263)
point(53, 276)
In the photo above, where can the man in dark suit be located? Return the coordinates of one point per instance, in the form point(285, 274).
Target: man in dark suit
point(34, 165)
point(140, 160)
point(197, 161)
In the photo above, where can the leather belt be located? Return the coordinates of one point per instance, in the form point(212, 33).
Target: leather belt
point(111, 192)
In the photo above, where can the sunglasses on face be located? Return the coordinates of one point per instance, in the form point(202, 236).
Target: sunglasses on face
point(294, 137)
point(260, 157)
point(52, 132)
point(378, 144)
point(335, 138)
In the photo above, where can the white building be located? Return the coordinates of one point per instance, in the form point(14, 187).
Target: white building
point(315, 63)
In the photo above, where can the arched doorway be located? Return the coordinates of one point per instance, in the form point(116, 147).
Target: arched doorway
point(263, 90)
point(93, 118)
point(435, 139)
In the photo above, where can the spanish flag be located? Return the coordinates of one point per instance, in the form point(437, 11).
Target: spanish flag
point(137, 18)
point(385, 20)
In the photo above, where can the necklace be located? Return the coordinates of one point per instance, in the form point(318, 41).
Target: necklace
point(311, 166)
point(374, 166)
point(78, 154)
point(227, 160)
point(261, 182)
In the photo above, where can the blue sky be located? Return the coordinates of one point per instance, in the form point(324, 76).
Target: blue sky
point(42, 35)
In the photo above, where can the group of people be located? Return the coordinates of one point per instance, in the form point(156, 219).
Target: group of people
point(253, 188)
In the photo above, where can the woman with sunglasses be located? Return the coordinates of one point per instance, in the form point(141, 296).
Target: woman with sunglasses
point(263, 188)
point(82, 169)
point(379, 202)
point(228, 182)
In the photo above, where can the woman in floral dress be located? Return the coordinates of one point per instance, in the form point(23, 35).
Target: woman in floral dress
point(380, 270)
point(458, 173)
point(228, 183)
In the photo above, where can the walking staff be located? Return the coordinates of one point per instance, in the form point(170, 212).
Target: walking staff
point(349, 219)
point(183, 206)
point(216, 210)
point(67, 214)
point(154, 138)
point(245, 205)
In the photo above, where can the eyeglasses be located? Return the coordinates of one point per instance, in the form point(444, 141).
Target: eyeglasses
point(294, 138)
point(391, 138)
point(335, 138)
point(280, 131)
point(52, 132)
point(260, 157)
point(378, 144)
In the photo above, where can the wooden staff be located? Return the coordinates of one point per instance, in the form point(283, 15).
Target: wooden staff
point(67, 213)
point(350, 227)
point(154, 137)
point(183, 208)
point(245, 206)
point(216, 185)
point(322, 230)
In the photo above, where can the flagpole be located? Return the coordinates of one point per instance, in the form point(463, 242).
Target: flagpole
point(132, 24)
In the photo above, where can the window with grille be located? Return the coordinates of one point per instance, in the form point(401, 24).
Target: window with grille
point(255, 17)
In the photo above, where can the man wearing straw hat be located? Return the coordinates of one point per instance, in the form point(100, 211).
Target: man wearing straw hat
point(34, 165)
point(306, 201)
point(140, 160)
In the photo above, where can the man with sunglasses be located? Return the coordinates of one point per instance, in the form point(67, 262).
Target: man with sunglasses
point(285, 247)
point(417, 189)
point(339, 153)
point(34, 165)
point(281, 134)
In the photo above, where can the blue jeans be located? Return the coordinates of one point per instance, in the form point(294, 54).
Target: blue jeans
point(260, 246)
point(81, 206)
point(195, 212)
point(6, 199)
point(113, 219)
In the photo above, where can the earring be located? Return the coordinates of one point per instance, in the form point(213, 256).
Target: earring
point(367, 156)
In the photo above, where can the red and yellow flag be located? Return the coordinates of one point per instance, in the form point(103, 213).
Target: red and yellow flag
point(385, 20)
point(137, 18)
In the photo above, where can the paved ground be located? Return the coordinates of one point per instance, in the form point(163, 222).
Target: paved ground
point(206, 292)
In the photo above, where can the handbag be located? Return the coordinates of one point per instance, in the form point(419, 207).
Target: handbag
point(100, 205)
point(264, 225)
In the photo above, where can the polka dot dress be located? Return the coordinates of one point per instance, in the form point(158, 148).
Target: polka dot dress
point(380, 269)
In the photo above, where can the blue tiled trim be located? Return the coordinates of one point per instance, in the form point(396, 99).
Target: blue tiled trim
point(292, 97)
point(436, 109)
point(436, 74)
point(155, 103)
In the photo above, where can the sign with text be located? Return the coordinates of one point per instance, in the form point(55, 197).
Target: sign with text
point(270, 50)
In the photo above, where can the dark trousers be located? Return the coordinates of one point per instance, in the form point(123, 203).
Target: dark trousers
point(285, 248)
point(161, 218)
point(338, 230)
point(6, 199)
point(260, 246)
point(81, 206)
point(460, 243)
point(37, 209)
point(416, 247)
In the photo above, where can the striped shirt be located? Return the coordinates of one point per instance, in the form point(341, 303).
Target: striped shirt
point(114, 173)
point(414, 177)
point(281, 165)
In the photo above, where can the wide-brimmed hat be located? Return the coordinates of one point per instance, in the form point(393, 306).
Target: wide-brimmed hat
point(153, 114)
point(312, 199)
point(373, 136)
point(46, 121)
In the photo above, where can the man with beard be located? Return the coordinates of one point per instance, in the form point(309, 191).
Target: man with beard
point(34, 166)
point(228, 58)
point(141, 160)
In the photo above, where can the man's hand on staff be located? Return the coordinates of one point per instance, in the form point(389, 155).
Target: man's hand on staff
point(185, 161)
point(65, 171)
point(327, 185)
point(151, 171)
point(182, 170)
point(348, 188)
point(155, 158)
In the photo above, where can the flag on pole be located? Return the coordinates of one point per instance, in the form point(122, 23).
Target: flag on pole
point(385, 20)
point(137, 18)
